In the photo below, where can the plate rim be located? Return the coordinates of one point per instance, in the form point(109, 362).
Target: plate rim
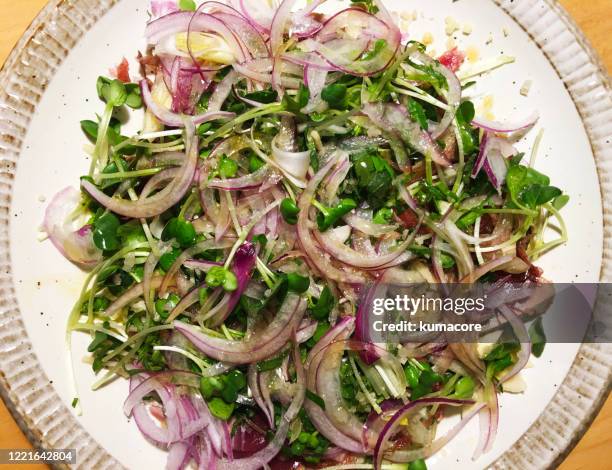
point(63, 23)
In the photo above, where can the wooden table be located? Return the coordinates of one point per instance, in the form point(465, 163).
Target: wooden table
point(595, 449)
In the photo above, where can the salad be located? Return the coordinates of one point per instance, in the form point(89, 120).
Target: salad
point(287, 160)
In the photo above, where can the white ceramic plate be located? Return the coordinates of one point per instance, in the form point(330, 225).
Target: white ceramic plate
point(48, 86)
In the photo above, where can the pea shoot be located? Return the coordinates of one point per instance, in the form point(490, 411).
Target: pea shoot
point(220, 276)
point(290, 211)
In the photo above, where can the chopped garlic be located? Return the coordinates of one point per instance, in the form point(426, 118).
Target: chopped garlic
point(408, 15)
point(484, 348)
point(515, 385)
point(526, 88)
point(506, 32)
point(451, 44)
point(451, 26)
point(467, 29)
point(42, 198)
point(427, 39)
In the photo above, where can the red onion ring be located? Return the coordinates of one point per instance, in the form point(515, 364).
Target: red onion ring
point(392, 425)
point(177, 120)
point(160, 202)
point(258, 346)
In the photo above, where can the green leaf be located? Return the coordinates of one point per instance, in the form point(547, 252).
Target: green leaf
point(536, 195)
point(378, 47)
point(188, 5)
point(538, 337)
point(264, 96)
point(529, 188)
point(560, 202)
point(220, 409)
point(270, 364)
point(105, 232)
point(289, 210)
point(295, 104)
point(90, 128)
point(464, 116)
point(227, 167)
point(374, 178)
point(298, 284)
point(383, 216)
point(102, 85)
point(417, 465)
point(324, 305)
point(316, 399)
point(335, 94)
point(417, 114)
point(134, 97)
point(115, 93)
point(446, 260)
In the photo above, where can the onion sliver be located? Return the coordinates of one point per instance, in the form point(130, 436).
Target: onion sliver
point(160, 202)
point(261, 458)
point(367, 226)
point(259, 346)
point(340, 331)
point(453, 97)
point(353, 258)
point(508, 127)
point(251, 181)
point(74, 243)
point(397, 419)
point(436, 445)
point(130, 295)
point(316, 257)
point(178, 120)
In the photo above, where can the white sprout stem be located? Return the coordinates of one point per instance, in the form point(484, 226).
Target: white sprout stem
point(484, 66)
point(536, 147)
point(416, 92)
point(477, 249)
point(362, 386)
point(246, 229)
point(157, 135)
point(199, 361)
point(458, 186)
point(232, 211)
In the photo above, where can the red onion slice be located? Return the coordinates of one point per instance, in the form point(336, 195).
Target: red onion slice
point(261, 458)
point(243, 265)
point(74, 243)
point(177, 120)
point(507, 127)
point(353, 258)
point(160, 202)
point(259, 346)
point(453, 96)
point(295, 164)
point(254, 387)
point(185, 21)
point(163, 7)
point(392, 116)
point(251, 181)
point(520, 330)
point(341, 330)
point(315, 256)
point(367, 226)
point(392, 425)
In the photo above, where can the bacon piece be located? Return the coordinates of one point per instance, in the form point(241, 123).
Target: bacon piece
point(453, 59)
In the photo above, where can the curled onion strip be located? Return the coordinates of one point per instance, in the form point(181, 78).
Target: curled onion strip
point(156, 204)
point(258, 346)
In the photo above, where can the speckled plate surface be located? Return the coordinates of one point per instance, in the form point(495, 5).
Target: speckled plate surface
point(48, 85)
